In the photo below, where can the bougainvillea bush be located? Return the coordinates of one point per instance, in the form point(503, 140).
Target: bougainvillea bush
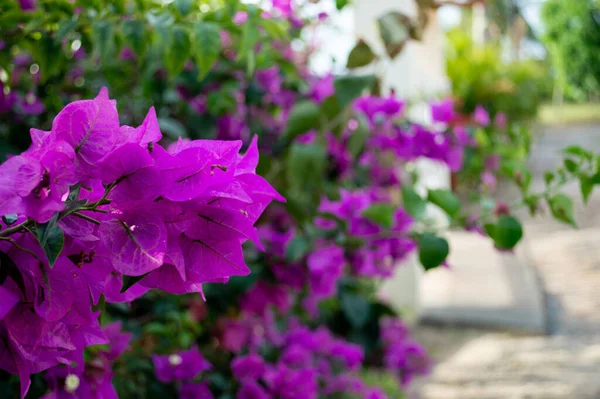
point(144, 262)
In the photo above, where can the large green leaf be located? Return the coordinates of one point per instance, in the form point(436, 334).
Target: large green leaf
point(446, 200)
point(178, 51)
point(507, 232)
point(394, 29)
point(51, 239)
point(413, 203)
point(349, 88)
point(562, 208)
point(303, 117)
point(207, 46)
point(360, 56)
point(433, 250)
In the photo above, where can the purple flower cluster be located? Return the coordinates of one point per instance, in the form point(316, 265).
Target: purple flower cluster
point(92, 380)
point(92, 201)
point(403, 356)
point(380, 253)
point(309, 364)
point(184, 367)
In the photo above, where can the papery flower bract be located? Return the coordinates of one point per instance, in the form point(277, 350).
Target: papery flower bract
point(251, 366)
point(443, 111)
point(481, 116)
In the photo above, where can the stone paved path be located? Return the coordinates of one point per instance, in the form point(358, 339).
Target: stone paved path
point(476, 364)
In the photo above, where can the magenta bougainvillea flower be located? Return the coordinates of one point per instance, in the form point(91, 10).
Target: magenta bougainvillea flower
point(481, 116)
point(96, 203)
point(443, 111)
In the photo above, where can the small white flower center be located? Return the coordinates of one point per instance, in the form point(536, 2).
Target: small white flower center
point(175, 360)
point(72, 382)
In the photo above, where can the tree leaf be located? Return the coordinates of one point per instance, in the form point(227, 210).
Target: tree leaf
point(360, 56)
point(382, 214)
point(355, 308)
point(207, 46)
point(134, 33)
point(297, 248)
point(507, 232)
point(303, 117)
point(413, 203)
point(358, 138)
point(51, 239)
point(305, 167)
point(104, 39)
point(184, 6)
point(178, 51)
point(394, 29)
point(446, 200)
point(571, 165)
point(349, 88)
point(433, 250)
point(562, 208)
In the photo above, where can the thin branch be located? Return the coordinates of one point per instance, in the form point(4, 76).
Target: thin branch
point(85, 217)
point(13, 242)
point(17, 228)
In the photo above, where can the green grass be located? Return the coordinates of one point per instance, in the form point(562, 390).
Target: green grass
point(569, 113)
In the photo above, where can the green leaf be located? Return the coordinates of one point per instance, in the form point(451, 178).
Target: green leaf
point(571, 165)
point(382, 214)
point(129, 281)
point(355, 308)
point(207, 46)
point(413, 203)
point(433, 250)
point(178, 51)
point(104, 40)
point(394, 29)
point(134, 33)
point(587, 184)
point(339, 4)
point(48, 54)
point(65, 27)
point(250, 36)
point(349, 88)
point(578, 151)
point(51, 239)
point(360, 56)
point(297, 248)
point(446, 200)
point(303, 117)
point(172, 127)
point(562, 208)
point(305, 167)
point(184, 6)
point(10, 219)
point(507, 232)
point(358, 138)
